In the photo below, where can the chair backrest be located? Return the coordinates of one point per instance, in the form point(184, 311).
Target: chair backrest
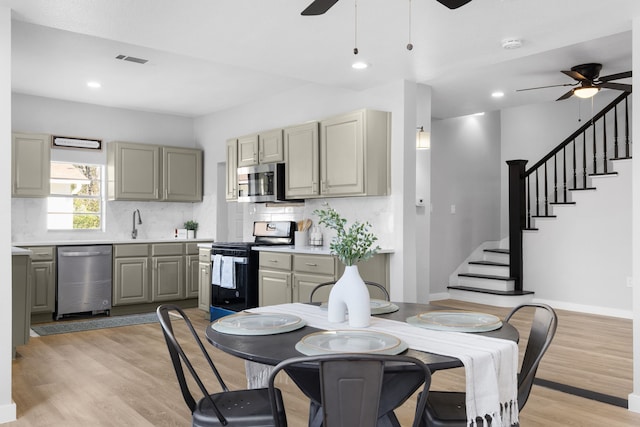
point(543, 329)
point(351, 386)
point(178, 357)
point(372, 284)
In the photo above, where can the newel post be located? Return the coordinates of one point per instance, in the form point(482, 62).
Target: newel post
point(517, 219)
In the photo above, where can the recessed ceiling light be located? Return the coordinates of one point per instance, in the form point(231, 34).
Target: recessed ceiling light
point(359, 65)
point(94, 85)
point(497, 94)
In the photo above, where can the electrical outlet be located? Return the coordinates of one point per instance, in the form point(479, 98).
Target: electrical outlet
point(629, 282)
point(453, 209)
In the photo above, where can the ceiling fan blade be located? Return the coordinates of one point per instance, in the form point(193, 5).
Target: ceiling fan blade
point(575, 75)
point(544, 87)
point(617, 76)
point(318, 7)
point(566, 95)
point(616, 86)
point(453, 4)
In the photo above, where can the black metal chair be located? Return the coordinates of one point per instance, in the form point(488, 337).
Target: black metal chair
point(372, 284)
point(242, 408)
point(350, 386)
point(448, 409)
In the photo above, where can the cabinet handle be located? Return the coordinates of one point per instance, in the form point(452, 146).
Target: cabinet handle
point(310, 264)
point(273, 260)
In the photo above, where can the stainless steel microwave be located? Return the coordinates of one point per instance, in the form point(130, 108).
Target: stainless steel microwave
point(261, 183)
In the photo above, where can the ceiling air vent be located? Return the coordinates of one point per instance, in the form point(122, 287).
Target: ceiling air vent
point(132, 59)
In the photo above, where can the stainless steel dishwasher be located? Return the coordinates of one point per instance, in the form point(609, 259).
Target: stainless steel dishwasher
point(84, 279)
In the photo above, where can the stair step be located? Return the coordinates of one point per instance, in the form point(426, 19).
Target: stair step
point(492, 292)
point(562, 203)
point(485, 276)
point(604, 174)
point(491, 263)
point(582, 189)
point(498, 251)
point(621, 158)
point(543, 216)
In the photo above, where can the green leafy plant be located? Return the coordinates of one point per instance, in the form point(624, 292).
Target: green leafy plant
point(191, 225)
point(351, 245)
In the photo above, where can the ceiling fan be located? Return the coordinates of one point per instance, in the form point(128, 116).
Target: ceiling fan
point(318, 7)
point(588, 81)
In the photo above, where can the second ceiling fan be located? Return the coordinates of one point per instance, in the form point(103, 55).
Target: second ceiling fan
point(588, 81)
point(319, 7)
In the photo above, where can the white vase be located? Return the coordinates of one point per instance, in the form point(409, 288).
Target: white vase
point(191, 234)
point(350, 295)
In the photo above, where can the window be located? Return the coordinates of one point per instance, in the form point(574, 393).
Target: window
point(75, 202)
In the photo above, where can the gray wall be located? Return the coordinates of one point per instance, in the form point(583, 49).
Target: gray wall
point(465, 164)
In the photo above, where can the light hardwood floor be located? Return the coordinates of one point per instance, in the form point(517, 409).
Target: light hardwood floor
point(123, 376)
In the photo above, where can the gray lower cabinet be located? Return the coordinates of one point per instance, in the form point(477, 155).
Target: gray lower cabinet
point(21, 300)
point(131, 274)
point(43, 279)
point(204, 279)
point(286, 277)
point(157, 272)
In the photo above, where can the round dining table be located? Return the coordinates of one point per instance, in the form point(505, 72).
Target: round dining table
point(399, 384)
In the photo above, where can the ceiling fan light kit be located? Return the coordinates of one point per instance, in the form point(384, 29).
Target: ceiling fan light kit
point(585, 91)
point(511, 44)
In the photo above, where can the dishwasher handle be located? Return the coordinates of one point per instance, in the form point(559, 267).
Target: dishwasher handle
point(83, 254)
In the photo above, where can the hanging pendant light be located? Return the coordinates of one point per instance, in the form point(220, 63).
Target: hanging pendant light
point(409, 45)
point(355, 32)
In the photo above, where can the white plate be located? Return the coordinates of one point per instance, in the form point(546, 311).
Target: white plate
point(457, 321)
point(257, 323)
point(378, 306)
point(350, 341)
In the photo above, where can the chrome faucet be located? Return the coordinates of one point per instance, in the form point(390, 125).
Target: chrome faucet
point(134, 232)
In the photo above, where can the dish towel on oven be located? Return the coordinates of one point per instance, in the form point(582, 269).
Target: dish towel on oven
point(228, 274)
point(491, 364)
point(216, 269)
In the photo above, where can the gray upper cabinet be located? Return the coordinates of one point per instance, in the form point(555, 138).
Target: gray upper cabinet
point(265, 147)
point(133, 171)
point(151, 172)
point(232, 170)
point(354, 154)
point(182, 174)
point(301, 154)
point(270, 149)
point(248, 150)
point(30, 164)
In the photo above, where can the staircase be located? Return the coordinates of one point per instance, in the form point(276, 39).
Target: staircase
point(485, 279)
point(493, 274)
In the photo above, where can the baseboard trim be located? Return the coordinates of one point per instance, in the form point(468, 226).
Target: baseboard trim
point(581, 392)
point(634, 402)
point(588, 309)
point(8, 413)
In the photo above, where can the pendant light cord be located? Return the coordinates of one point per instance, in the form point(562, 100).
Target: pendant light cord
point(409, 45)
point(355, 35)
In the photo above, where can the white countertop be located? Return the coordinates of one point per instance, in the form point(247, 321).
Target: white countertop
point(110, 242)
point(316, 250)
point(19, 251)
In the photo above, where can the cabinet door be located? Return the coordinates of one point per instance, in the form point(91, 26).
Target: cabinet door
point(133, 171)
point(204, 285)
point(43, 290)
point(181, 174)
point(30, 164)
point(301, 154)
point(232, 169)
point(342, 155)
point(248, 150)
point(270, 147)
point(303, 284)
point(20, 299)
point(274, 287)
point(192, 277)
point(167, 278)
point(131, 280)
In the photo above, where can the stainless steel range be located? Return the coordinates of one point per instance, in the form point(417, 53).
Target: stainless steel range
point(234, 267)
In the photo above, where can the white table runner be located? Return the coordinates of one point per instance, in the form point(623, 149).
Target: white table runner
point(491, 364)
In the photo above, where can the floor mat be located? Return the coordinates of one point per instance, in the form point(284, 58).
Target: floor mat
point(62, 327)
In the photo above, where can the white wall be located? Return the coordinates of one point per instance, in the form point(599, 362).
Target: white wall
point(388, 215)
point(51, 116)
point(465, 164)
point(7, 407)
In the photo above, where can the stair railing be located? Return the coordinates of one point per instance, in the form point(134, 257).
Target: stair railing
point(586, 152)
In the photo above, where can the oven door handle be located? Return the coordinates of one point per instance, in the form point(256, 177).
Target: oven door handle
point(240, 260)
